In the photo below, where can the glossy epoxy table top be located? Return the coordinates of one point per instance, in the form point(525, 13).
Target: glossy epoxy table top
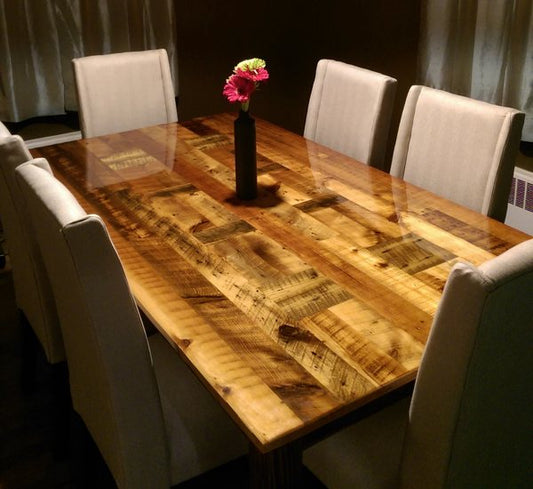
point(295, 308)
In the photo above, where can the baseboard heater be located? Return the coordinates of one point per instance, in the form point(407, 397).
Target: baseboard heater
point(520, 206)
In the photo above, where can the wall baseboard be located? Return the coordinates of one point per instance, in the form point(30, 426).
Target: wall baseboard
point(55, 139)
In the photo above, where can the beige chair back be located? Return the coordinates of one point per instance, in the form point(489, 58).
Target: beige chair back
point(151, 418)
point(33, 291)
point(350, 111)
point(123, 91)
point(4, 131)
point(458, 148)
point(470, 421)
point(112, 382)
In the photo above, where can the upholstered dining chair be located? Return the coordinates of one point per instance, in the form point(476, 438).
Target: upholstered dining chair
point(469, 421)
point(457, 147)
point(153, 422)
point(123, 91)
point(33, 293)
point(350, 110)
point(4, 131)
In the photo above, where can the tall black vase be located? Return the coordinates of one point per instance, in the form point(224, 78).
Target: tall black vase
point(245, 160)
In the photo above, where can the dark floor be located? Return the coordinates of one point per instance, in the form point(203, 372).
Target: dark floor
point(39, 127)
point(35, 450)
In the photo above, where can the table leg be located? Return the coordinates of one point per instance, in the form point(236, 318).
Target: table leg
point(279, 469)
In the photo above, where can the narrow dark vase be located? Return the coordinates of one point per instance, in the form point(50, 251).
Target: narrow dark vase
point(245, 161)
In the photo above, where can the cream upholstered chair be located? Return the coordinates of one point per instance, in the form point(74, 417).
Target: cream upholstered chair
point(4, 131)
point(33, 293)
point(350, 111)
point(153, 422)
point(469, 423)
point(457, 147)
point(123, 91)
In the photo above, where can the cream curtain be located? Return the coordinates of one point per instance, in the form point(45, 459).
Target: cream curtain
point(482, 49)
point(38, 39)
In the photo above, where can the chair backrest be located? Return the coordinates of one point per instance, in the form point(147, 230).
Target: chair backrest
point(470, 422)
point(33, 291)
point(350, 110)
point(123, 91)
point(4, 131)
point(112, 382)
point(457, 147)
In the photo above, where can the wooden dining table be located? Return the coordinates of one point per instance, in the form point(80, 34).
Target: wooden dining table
point(298, 309)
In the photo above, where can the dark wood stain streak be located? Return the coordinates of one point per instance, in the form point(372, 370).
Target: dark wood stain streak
point(411, 253)
point(320, 202)
point(222, 232)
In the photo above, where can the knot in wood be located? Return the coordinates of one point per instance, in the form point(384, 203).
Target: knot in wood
point(287, 332)
point(184, 343)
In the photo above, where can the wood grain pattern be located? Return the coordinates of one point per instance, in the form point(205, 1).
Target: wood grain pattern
point(294, 308)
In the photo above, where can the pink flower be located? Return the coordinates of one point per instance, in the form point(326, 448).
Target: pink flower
point(246, 77)
point(238, 88)
point(257, 75)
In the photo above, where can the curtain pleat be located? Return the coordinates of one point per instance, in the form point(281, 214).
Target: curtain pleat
point(39, 39)
point(482, 49)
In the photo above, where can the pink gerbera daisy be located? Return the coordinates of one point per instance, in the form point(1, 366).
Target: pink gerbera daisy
point(246, 77)
point(257, 75)
point(238, 88)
